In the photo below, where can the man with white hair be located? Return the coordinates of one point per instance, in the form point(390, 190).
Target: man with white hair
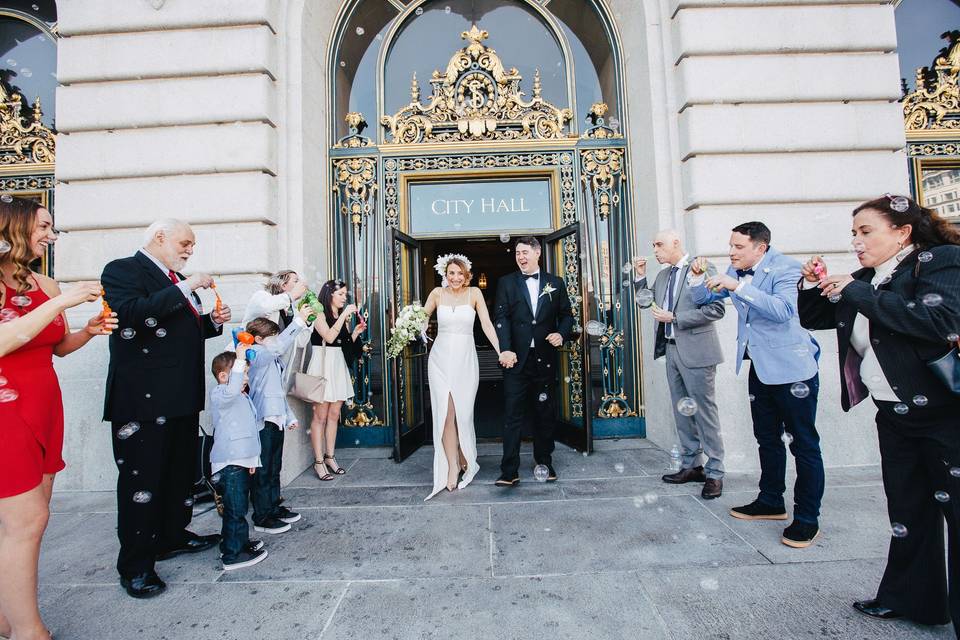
point(686, 335)
point(154, 395)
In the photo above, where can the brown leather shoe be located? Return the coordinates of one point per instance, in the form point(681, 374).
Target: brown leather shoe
point(712, 489)
point(693, 474)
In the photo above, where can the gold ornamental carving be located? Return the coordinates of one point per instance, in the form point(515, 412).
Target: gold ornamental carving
point(24, 139)
point(476, 98)
point(602, 173)
point(935, 104)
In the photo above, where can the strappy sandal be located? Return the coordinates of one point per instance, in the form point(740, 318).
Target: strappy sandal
point(326, 476)
point(339, 470)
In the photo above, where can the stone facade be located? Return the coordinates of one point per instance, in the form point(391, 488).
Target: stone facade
point(216, 112)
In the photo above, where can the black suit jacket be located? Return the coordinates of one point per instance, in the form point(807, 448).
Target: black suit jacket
point(149, 375)
point(516, 325)
point(905, 333)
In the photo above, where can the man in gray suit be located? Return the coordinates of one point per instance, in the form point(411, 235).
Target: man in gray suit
point(686, 335)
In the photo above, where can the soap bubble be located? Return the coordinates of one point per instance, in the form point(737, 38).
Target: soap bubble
point(925, 256)
point(835, 298)
point(128, 333)
point(931, 299)
point(952, 337)
point(919, 400)
point(799, 390)
point(542, 397)
point(900, 408)
point(504, 238)
point(360, 31)
point(751, 397)
point(142, 497)
point(644, 298)
point(419, 11)
point(787, 438)
point(625, 284)
point(21, 301)
point(627, 268)
point(150, 322)
point(941, 496)
point(541, 473)
point(356, 443)
point(595, 328)
point(898, 530)
point(161, 420)
point(215, 478)
point(26, 72)
point(566, 379)
point(128, 430)
point(687, 406)
point(446, 9)
point(135, 472)
point(955, 472)
point(618, 467)
point(343, 63)
point(188, 502)
point(911, 305)
point(7, 314)
point(147, 395)
point(119, 460)
point(709, 584)
point(8, 395)
point(4, 246)
point(161, 333)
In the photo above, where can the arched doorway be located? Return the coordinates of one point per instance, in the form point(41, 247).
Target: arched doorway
point(28, 82)
point(477, 104)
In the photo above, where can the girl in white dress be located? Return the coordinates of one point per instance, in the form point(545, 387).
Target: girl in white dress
point(454, 373)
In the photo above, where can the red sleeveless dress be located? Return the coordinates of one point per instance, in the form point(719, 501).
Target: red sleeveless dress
point(31, 407)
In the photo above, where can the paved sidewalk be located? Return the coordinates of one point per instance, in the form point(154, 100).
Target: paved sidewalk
point(608, 552)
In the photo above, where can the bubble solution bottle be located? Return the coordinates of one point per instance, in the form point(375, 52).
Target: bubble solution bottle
point(675, 458)
point(310, 298)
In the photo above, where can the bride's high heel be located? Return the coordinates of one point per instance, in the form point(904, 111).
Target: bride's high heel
point(326, 475)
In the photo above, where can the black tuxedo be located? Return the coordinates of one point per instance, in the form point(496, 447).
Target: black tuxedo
point(919, 441)
point(155, 380)
point(530, 385)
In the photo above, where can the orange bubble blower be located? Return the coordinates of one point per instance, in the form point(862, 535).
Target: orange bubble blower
point(218, 305)
point(106, 308)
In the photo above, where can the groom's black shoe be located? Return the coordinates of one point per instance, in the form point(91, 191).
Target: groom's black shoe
point(551, 473)
point(504, 481)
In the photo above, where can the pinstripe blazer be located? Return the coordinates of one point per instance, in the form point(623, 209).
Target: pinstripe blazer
point(905, 331)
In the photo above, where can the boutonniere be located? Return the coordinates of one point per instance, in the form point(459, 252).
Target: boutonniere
point(547, 290)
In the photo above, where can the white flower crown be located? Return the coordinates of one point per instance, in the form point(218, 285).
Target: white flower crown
point(442, 262)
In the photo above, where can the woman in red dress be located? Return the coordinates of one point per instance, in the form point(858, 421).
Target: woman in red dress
point(33, 328)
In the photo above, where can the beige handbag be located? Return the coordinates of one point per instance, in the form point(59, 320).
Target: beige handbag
point(306, 387)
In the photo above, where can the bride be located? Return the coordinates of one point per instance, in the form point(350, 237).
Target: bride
point(453, 372)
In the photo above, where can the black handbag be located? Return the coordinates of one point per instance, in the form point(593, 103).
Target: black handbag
point(947, 368)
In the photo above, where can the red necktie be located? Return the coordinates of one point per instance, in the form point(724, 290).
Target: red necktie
point(174, 279)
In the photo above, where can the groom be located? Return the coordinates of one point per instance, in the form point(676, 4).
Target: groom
point(533, 319)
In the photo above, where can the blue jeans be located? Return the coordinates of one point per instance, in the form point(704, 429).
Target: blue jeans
point(775, 410)
point(234, 487)
point(266, 481)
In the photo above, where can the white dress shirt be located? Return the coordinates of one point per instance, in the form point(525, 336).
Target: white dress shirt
point(871, 374)
point(533, 289)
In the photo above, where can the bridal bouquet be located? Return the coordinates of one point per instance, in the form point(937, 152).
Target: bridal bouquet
point(411, 323)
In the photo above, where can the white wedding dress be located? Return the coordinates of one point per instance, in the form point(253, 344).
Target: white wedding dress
point(453, 371)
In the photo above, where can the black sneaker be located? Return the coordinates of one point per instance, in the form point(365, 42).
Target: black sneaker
point(758, 511)
point(253, 545)
point(800, 535)
point(286, 515)
point(504, 481)
point(245, 559)
point(551, 473)
point(271, 525)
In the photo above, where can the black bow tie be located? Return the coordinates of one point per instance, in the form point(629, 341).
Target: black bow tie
point(535, 276)
point(744, 272)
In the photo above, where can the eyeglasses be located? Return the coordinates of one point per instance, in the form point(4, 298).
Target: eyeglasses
point(899, 204)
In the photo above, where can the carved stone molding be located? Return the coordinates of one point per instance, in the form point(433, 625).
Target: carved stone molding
point(476, 98)
point(24, 139)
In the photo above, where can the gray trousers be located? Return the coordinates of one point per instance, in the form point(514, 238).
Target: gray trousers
point(699, 433)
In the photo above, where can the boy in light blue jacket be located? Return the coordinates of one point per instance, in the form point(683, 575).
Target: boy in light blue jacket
point(234, 457)
point(269, 399)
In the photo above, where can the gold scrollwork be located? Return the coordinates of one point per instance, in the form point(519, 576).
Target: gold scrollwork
point(476, 98)
point(602, 172)
point(23, 140)
point(600, 129)
point(613, 402)
point(355, 184)
point(356, 123)
point(935, 103)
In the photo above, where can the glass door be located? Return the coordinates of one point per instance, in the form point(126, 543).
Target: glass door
point(562, 257)
point(410, 367)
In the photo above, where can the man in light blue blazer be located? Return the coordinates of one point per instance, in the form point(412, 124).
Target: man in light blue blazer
point(784, 381)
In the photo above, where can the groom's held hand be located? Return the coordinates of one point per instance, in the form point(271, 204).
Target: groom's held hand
point(555, 339)
point(508, 358)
